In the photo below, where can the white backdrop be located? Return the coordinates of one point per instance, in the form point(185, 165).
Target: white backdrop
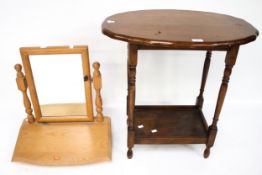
point(162, 78)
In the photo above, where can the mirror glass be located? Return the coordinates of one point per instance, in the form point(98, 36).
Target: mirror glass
point(59, 84)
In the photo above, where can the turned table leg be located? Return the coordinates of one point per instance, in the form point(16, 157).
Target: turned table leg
point(212, 130)
point(131, 72)
point(200, 98)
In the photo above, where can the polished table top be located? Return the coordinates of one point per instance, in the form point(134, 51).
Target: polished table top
point(179, 28)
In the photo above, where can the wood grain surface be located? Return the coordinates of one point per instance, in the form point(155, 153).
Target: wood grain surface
point(26, 52)
point(176, 30)
point(179, 28)
point(70, 143)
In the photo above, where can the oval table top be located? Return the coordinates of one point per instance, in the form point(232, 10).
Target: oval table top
point(179, 29)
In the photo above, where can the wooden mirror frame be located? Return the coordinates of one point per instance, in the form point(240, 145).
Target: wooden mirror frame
point(83, 50)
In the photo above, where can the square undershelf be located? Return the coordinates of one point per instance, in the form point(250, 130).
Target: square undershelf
point(169, 124)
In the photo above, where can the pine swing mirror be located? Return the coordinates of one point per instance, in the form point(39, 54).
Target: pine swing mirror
point(27, 53)
point(67, 133)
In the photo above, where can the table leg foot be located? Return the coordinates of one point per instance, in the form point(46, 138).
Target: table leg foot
point(206, 152)
point(129, 154)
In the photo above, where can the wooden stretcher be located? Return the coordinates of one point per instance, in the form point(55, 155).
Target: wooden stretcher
point(62, 134)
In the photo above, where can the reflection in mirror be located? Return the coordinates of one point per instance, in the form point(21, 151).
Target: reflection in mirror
point(59, 84)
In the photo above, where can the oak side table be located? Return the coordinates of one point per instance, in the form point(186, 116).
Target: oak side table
point(178, 30)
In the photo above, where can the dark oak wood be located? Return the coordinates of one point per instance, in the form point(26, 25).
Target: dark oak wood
point(176, 30)
point(230, 62)
point(200, 98)
point(132, 62)
point(169, 124)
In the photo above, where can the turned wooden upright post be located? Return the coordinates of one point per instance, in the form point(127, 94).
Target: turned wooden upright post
point(97, 82)
point(230, 62)
point(22, 86)
point(200, 98)
point(131, 72)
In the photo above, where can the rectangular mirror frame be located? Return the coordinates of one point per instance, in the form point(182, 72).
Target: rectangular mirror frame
point(83, 50)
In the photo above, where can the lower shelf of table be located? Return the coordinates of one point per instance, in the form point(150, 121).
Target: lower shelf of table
point(169, 125)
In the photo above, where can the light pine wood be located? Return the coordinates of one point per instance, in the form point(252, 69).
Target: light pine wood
point(63, 134)
point(97, 82)
point(64, 143)
point(31, 84)
point(64, 109)
point(54, 112)
point(87, 82)
point(53, 50)
point(83, 50)
point(22, 86)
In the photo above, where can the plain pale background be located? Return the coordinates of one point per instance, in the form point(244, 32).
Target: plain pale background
point(162, 78)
